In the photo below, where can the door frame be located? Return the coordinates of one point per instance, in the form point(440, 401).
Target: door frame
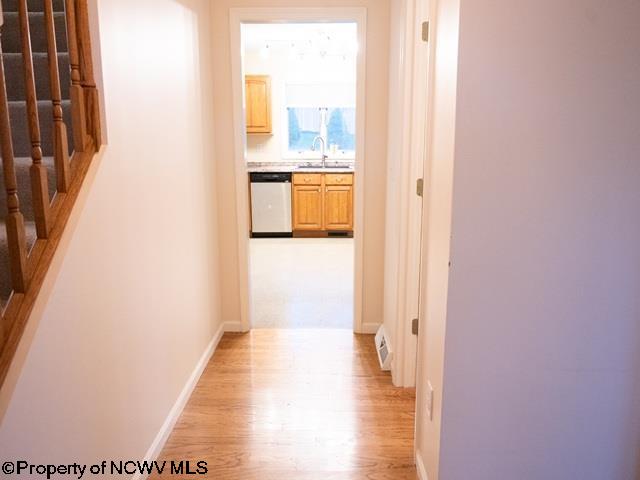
point(237, 17)
point(411, 151)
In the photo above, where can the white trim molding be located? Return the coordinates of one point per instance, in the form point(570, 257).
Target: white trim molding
point(369, 328)
point(420, 468)
point(174, 414)
point(413, 145)
point(237, 17)
point(233, 327)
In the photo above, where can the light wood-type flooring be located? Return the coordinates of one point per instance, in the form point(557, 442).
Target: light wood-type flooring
point(296, 404)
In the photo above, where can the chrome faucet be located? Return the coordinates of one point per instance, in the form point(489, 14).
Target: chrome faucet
point(323, 149)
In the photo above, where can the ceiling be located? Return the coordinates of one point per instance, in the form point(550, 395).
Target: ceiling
point(302, 38)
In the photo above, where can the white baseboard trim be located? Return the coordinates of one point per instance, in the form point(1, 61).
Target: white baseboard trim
point(370, 328)
point(233, 327)
point(174, 414)
point(422, 472)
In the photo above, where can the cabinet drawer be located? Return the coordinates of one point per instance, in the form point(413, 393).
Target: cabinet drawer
point(338, 179)
point(307, 179)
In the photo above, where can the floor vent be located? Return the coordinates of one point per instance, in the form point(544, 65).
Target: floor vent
point(384, 350)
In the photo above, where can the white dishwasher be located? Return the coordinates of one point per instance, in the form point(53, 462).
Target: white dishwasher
point(271, 205)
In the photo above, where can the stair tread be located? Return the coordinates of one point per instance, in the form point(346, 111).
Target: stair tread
point(39, 102)
point(20, 127)
point(11, 32)
point(26, 162)
point(32, 5)
point(5, 271)
point(32, 13)
point(14, 73)
point(23, 177)
point(44, 55)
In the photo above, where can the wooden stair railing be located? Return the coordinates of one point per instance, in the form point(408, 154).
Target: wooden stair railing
point(78, 111)
point(28, 268)
point(60, 139)
point(16, 241)
point(39, 181)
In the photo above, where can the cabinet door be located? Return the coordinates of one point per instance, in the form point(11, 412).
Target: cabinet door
point(338, 208)
point(258, 93)
point(307, 207)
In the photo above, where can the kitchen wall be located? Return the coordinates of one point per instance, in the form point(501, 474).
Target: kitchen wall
point(375, 148)
point(542, 346)
point(127, 315)
point(283, 70)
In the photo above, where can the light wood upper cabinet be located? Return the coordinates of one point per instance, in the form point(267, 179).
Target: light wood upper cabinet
point(258, 97)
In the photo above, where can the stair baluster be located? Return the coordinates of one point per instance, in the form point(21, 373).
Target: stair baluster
point(26, 149)
point(16, 240)
point(86, 69)
point(60, 139)
point(39, 183)
point(78, 111)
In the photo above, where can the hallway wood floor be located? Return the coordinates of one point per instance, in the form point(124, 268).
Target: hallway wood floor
point(296, 404)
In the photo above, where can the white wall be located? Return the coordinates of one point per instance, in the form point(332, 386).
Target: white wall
point(542, 350)
point(284, 70)
point(375, 149)
point(136, 302)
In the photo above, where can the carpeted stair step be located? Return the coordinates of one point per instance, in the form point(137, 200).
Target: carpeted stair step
point(32, 5)
point(20, 127)
point(22, 166)
point(5, 272)
point(11, 32)
point(14, 74)
point(12, 58)
point(23, 177)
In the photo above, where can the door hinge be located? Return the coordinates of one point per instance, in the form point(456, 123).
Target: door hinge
point(425, 31)
point(415, 326)
point(420, 187)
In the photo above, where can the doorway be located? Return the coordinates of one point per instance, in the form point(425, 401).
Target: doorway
point(299, 117)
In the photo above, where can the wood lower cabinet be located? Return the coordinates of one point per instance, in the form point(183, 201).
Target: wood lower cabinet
point(338, 208)
point(322, 202)
point(307, 211)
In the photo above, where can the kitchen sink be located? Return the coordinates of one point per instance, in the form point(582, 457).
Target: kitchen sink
point(348, 168)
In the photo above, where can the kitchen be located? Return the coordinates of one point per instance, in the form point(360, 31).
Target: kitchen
point(300, 114)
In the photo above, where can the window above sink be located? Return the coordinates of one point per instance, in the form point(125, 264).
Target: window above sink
point(325, 110)
point(312, 69)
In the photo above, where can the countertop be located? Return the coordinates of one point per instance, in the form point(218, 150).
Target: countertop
point(299, 168)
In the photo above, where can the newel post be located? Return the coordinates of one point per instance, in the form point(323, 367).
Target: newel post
point(78, 109)
point(91, 97)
